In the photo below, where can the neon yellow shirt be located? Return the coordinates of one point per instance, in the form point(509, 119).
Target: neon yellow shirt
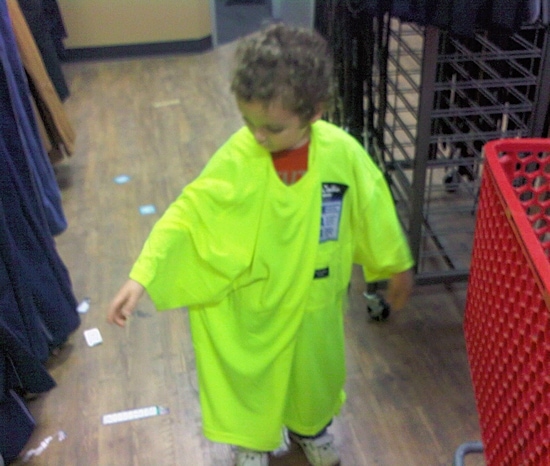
point(264, 269)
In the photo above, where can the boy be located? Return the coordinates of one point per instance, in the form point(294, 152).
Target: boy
point(260, 248)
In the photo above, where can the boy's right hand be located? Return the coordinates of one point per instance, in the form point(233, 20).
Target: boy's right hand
point(124, 302)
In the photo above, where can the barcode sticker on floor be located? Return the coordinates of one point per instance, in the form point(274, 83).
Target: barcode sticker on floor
point(134, 414)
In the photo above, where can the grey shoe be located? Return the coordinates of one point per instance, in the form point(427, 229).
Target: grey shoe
point(319, 451)
point(245, 457)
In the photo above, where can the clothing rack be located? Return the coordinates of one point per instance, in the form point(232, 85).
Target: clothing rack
point(424, 102)
point(37, 305)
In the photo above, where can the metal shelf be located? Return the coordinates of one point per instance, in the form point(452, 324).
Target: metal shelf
point(424, 103)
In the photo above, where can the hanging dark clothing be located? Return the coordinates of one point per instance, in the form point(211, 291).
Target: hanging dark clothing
point(40, 23)
point(12, 441)
point(19, 129)
point(58, 31)
point(463, 17)
point(37, 304)
point(459, 17)
point(56, 130)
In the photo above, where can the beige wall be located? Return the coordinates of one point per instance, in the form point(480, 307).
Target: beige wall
point(99, 23)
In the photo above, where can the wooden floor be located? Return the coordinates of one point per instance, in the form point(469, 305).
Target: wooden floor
point(157, 121)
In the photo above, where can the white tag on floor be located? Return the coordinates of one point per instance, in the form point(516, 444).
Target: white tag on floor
point(134, 414)
point(84, 306)
point(93, 337)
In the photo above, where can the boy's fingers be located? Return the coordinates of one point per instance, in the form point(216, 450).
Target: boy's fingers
point(127, 309)
point(117, 313)
point(124, 303)
point(114, 318)
point(124, 309)
point(121, 317)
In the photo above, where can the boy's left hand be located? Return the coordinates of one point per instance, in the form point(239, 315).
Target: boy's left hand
point(124, 302)
point(399, 288)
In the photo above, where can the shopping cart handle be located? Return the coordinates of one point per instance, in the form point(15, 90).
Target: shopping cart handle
point(464, 449)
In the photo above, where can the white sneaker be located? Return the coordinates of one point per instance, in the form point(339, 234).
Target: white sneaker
point(245, 457)
point(319, 451)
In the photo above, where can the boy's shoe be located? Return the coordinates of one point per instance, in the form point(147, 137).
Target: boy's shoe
point(319, 451)
point(245, 457)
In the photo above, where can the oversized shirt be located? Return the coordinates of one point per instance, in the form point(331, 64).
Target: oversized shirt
point(264, 269)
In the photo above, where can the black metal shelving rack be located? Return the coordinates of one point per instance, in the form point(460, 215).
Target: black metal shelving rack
point(424, 103)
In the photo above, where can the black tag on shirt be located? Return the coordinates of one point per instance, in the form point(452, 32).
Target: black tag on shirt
point(321, 273)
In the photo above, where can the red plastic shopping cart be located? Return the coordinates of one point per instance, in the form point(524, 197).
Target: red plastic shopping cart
point(507, 317)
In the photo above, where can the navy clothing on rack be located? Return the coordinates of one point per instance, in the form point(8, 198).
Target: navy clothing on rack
point(57, 28)
point(12, 441)
point(46, 24)
point(37, 304)
point(19, 129)
point(459, 17)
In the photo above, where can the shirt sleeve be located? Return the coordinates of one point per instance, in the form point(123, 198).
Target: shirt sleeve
point(204, 240)
point(381, 247)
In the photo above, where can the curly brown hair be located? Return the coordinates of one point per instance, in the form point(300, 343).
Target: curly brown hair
point(284, 62)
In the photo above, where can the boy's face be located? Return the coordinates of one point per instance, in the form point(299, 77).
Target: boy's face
point(274, 127)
